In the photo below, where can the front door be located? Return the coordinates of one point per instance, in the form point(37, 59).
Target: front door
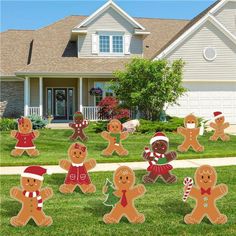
point(60, 103)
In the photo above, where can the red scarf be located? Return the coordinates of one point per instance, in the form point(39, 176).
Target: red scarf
point(35, 194)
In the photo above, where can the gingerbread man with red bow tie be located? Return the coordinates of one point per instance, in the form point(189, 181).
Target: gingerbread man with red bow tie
point(77, 170)
point(124, 180)
point(79, 125)
point(206, 192)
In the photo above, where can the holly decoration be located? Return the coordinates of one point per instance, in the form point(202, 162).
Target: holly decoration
point(111, 198)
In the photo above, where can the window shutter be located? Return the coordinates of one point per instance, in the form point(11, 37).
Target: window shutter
point(127, 39)
point(94, 44)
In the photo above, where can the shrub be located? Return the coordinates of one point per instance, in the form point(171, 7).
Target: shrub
point(38, 122)
point(100, 126)
point(110, 109)
point(8, 124)
point(171, 125)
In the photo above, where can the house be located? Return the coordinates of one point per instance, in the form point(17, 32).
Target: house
point(51, 71)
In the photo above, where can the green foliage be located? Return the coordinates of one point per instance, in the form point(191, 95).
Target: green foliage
point(111, 198)
point(149, 85)
point(100, 126)
point(8, 124)
point(147, 126)
point(38, 122)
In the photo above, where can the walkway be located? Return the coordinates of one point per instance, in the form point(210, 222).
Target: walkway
point(229, 161)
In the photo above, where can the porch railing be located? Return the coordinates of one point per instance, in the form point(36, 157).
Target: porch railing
point(91, 113)
point(34, 111)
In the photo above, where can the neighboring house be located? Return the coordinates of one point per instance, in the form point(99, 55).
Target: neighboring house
point(51, 71)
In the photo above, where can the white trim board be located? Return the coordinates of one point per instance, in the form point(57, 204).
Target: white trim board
point(103, 8)
point(193, 29)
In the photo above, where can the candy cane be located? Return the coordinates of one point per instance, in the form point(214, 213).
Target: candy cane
point(189, 183)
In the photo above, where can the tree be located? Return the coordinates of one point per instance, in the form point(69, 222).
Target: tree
point(149, 85)
point(111, 198)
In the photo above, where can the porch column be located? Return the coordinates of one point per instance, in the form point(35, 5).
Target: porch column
point(80, 94)
point(41, 96)
point(26, 96)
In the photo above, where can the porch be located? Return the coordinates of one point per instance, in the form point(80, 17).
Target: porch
point(61, 97)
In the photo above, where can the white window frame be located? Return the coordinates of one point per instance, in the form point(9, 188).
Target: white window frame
point(207, 58)
point(110, 35)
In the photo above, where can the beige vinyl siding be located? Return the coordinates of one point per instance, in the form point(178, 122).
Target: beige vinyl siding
point(34, 92)
point(110, 20)
point(227, 16)
point(196, 67)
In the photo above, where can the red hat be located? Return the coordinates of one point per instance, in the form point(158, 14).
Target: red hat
point(217, 114)
point(35, 172)
point(159, 136)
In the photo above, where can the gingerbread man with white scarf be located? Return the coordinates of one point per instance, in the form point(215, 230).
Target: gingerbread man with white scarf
point(32, 197)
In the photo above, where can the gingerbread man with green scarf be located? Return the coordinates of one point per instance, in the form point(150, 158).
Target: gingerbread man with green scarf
point(114, 136)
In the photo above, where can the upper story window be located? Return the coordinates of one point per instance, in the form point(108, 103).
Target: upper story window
point(111, 44)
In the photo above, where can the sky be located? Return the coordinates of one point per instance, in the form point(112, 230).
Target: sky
point(33, 14)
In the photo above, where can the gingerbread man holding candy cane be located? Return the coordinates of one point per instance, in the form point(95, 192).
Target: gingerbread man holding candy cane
point(78, 125)
point(206, 192)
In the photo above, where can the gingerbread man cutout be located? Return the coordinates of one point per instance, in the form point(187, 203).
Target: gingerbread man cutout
point(219, 126)
point(114, 137)
point(77, 169)
point(124, 180)
point(158, 160)
point(190, 131)
point(32, 198)
point(25, 136)
point(79, 125)
point(206, 192)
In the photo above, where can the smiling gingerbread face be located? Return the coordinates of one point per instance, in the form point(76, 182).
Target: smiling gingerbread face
point(24, 125)
point(160, 146)
point(124, 178)
point(220, 120)
point(114, 126)
point(190, 121)
point(31, 184)
point(205, 176)
point(77, 153)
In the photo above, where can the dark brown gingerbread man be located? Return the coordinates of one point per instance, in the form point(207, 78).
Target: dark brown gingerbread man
point(159, 159)
point(78, 125)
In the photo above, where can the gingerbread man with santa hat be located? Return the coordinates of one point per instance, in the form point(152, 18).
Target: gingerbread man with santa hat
point(219, 126)
point(32, 198)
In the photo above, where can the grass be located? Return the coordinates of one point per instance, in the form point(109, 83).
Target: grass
point(79, 214)
point(53, 145)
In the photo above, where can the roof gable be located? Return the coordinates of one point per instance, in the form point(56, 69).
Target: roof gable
point(195, 24)
point(105, 7)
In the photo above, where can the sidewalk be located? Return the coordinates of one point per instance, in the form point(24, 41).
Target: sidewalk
point(13, 170)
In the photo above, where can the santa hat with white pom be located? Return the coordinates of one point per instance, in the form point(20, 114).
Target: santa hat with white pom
point(35, 172)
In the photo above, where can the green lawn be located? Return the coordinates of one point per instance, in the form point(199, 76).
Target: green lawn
point(79, 214)
point(53, 145)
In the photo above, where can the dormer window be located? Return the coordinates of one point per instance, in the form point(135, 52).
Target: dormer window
point(111, 43)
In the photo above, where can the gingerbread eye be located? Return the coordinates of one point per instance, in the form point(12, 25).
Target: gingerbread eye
point(28, 180)
point(127, 177)
point(113, 126)
point(80, 153)
point(74, 153)
point(120, 177)
point(202, 177)
point(34, 180)
point(209, 177)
